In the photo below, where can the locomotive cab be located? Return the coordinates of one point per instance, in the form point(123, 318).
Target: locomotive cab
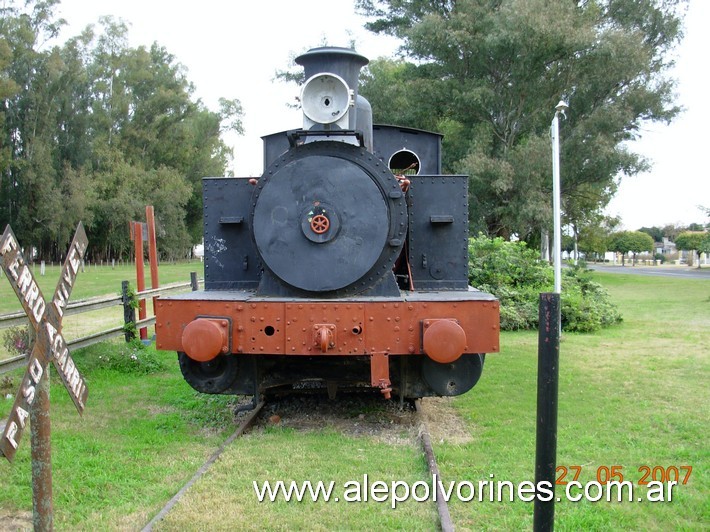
point(345, 264)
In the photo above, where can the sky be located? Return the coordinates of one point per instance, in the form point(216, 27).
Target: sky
point(233, 50)
point(680, 178)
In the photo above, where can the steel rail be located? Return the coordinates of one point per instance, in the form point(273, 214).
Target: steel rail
point(243, 426)
point(441, 505)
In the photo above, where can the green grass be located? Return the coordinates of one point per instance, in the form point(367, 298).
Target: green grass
point(140, 436)
point(633, 395)
point(224, 499)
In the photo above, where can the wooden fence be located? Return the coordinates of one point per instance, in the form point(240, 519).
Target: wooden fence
point(125, 299)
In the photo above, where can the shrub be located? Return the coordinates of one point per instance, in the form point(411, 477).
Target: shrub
point(129, 358)
point(134, 358)
point(497, 262)
point(515, 275)
point(586, 306)
point(17, 340)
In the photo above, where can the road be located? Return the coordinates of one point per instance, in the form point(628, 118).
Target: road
point(681, 272)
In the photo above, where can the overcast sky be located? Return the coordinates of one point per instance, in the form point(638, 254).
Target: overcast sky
point(232, 50)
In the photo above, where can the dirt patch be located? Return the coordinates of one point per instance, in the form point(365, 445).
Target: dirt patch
point(158, 410)
point(366, 415)
point(16, 521)
point(444, 422)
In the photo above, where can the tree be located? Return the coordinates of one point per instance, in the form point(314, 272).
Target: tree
point(694, 241)
point(671, 231)
point(31, 190)
point(594, 238)
point(640, 242)
point(94, 130)
point(654, 232)
point(493, 72)
point(630, 241)
point(8, 88)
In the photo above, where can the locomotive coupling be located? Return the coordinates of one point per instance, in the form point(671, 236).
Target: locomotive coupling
point(324, 336)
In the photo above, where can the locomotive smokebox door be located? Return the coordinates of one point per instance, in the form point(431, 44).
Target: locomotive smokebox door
point(329, 218)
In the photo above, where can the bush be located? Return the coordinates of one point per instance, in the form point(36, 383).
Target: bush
point(128, 358)
point(17, 340)
point(497, 262)
point(586, 306)
point(515, 275)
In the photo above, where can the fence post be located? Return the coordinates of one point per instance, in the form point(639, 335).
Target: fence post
point(548, 353)
point(194, 282)
point(129, 312)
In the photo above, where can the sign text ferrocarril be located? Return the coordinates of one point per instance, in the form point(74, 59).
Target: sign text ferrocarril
point(46, 319)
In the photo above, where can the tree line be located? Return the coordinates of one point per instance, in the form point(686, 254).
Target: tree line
point(93, 130)
point(489, 74)
point(595, 243)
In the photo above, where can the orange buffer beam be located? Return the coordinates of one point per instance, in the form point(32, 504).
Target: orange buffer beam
point(395, 327)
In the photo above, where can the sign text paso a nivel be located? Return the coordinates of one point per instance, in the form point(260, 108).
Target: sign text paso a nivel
point(46, 319)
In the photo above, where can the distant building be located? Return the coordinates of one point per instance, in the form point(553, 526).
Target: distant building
point(199, 251)
point(665, 248)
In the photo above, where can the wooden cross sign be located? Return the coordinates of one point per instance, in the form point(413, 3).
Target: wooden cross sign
point(46, 319)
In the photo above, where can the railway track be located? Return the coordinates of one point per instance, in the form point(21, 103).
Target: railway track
point(419, 424)
point(441, 505)
point(243, 426)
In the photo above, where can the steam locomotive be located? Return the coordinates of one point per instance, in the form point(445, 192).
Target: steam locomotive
point(344, 265)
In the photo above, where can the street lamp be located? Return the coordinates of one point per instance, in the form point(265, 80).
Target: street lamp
point(557, 243)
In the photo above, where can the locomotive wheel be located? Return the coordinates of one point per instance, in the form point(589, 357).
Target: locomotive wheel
point(214, 376)
point(455, 378)
point(328, 205)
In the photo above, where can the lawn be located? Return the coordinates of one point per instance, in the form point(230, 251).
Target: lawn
point(633, 396)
